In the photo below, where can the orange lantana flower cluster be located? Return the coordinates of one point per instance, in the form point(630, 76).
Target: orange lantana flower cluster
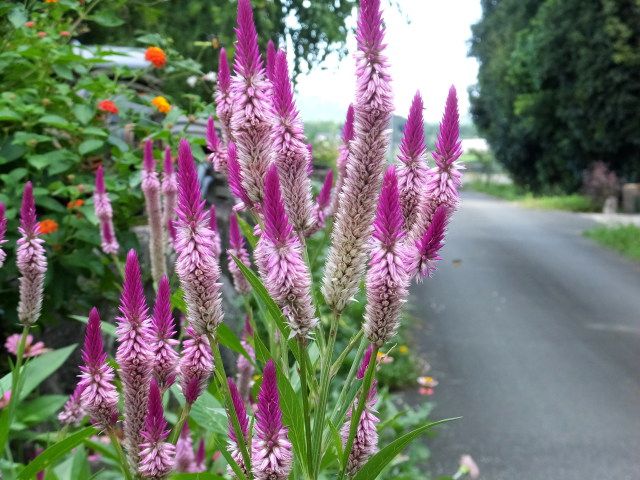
point(156, 56)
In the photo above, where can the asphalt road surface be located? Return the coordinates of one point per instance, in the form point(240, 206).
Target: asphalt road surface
point(533, 332)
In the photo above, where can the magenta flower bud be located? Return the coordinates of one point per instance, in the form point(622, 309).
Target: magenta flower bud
point(245, 367)
point(425, 254)
point(310, 150)
point(271, 60)
point(73, 411)
point(213, 226)
point(196, 365)
point(321, 209)
point(343, 154)
point(365, 442)
point(235, 178)
point(412, 174)
point(218, 156)
point(278, 256)
point(237, 249)
point(134, 357)
point(196, 265)
point(165, 358)
point(3, 230)
point(200, 463)
point(223, 99)
point(170, 192)
point(387, 278)
point(156, 456)
point(99, 396)
point(102, 208)
point(151, 190)
point(184, 459)
point(232, 445)
point(31, 261)
point(251, 115)
point(347, 257)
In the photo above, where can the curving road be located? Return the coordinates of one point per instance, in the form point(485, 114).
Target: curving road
point(533, 332)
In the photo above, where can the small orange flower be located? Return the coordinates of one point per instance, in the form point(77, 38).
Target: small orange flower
point(65, 33)
point(51, 1)
point(156, 56)
point(30, 24)
point(161, 104)
point(75, 204)
point(42, 34)
point(108, 106)
point(47, 226)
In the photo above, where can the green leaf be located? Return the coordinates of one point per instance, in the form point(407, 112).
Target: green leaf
point(50, 204)
point(209, 414)
point(247, 231)
point(84, 113)
point(118, 143)
point(292, 414)
point(54, 120)
point(90, 145)
point(106, 327)
point(55, 452)
point(196, 476)
point(97, 131)
point(10, 116)
point(40, 409)
point(230, 340)
point(38, 369)
point(18, 16)
point(106, 18)
point(177, 301)
point(63, 71)
point(380, 460)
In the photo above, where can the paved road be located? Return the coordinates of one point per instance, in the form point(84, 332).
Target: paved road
point(534, 335)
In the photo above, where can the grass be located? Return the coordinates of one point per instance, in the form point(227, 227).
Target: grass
point(513, 193)
point(625, 239)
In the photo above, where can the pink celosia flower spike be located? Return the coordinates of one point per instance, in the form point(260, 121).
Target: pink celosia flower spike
point(213, 226)
point(218, 155)
point(237, 249)
point(134, 357)
point(279, 258)
point(196, 365)
point(156, 456)
point(365, 442)
point(170, 192)
point(244, 365)
point(223, 97)
point(200, 461)
point(102, 208)
point(271, 59)
point(3, 230)
point(99, 396)
point(347, 136)
point(412, 174)
point(425, 253)
point(271, 455)
point(290, 150)
point(185, 459)
point(251, 118)
point(151, 190)
point(322, 205)
point(196, 264)
point(31, 261)
point(235, 178)
point(232, 445)
point(387, 278)
point(347, 257)
point(165, 358)
point(74, 411)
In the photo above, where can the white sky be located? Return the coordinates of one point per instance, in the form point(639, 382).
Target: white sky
point(429, 55)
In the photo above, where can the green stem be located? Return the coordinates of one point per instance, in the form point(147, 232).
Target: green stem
point(336, 365)
point(355, 419)
point(124, 465)
point(177, 428)
point(116, 260)
point(305, 402)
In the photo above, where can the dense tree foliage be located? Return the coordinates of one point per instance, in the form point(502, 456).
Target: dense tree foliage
point(559, 88)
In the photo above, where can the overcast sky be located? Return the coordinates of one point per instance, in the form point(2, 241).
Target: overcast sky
point(428, 54)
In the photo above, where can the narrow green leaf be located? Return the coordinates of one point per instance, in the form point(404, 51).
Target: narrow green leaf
point(55, 452)
point(90, 145)
point(223, 450)
point(40, 409)
point(337, 439)
point(54, 120)
point(230, 340)
point(106, 327)
point(376, 463)
point(247, 231)
point(292, 414)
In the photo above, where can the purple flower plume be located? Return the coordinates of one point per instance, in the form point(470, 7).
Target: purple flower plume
point(425, 254)
point(156, 456)
point(134, 356)
point(387, 278)
point(244, 365)
point(412, 174)
point(347, 257)
point(290, 150)
point(151, 190)
point(196, 265)
point(196, 365)
point(165, 358)
point(200, 463)
point(232, 445)
point(73, 411)
point(102, 208)
point(279, 259)
point(343, 155)
point(365, 442)
point(321, 209)
point(223, 97)
point(218, 155)
point(271, 60)
point(31, 261)
point(3, 230)
point(213, 226)
point(237, 249)
point(170, 192)
point(99, 396)
point(271, 455)
point(251, 118)
point(235, 178)
point(185, 459)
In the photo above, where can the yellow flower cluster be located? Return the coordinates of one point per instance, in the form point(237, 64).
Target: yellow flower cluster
point(161, 104)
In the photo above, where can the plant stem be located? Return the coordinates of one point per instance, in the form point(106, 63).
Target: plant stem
point(305, 402)
point(355, 419)
point(116, 260)
point(336, 365)
point(123, 460)
point(177, 428)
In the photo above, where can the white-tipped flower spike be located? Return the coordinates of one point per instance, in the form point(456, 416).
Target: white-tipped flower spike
point(223, 97)
point(424, 253)
point(104, 212)
point(165, 358)
point(170, 192)
point(290, 150)
point(245, 367)
point(3, 230)
point(213, 226)
point(321, 209)
point(73, 411)
point(218, 155)
point(237, 249)
point(343, 155)
point(157, 456)
point(151, 190)
point(373, 107)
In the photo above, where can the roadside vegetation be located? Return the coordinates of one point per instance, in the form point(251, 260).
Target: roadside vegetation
point(625, 239)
